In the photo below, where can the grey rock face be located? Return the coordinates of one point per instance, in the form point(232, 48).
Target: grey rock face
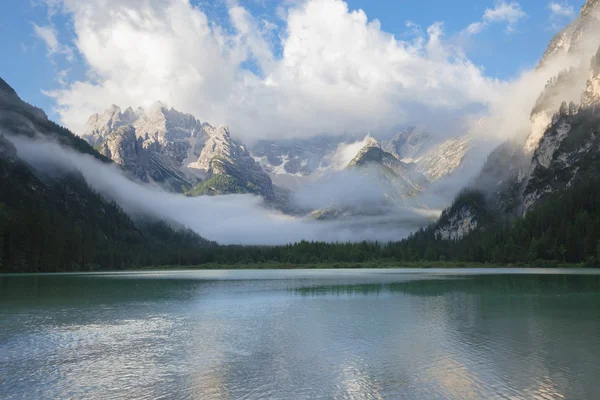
point(570, 148)
point(173, 149)
point(445, 158)
point(460, 224)
point(222, 155)
point(400, 180)
point(518, 177)
point(297, 157)
point(153, 145)
point(123, 148)
point(100, 126)
point(310, 158)
point(574, 38)
point(565, 149)
point(563, 146)
point(434, 159)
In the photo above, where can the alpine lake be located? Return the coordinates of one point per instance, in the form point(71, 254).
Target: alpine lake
point(302, 334)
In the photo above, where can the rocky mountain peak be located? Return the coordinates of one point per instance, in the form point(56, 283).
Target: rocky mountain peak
point(370, 152)
point(158, 124)
point(100, 126)
point(129, 114)
point(164, 124)
point(219, 145)
point(121, 146)
point(571, 39)
point(224, 157)
point(221, 131)
point(372, 142)
point(590, 6)
point(176, 151)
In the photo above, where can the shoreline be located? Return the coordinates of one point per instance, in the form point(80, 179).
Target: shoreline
point(326, 266)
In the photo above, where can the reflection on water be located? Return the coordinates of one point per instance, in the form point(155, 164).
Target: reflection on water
point(419, 285)
point(300, 335)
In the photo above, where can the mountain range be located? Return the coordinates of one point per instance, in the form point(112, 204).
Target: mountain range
point(179, 153)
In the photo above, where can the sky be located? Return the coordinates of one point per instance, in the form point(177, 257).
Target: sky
point(267, 68)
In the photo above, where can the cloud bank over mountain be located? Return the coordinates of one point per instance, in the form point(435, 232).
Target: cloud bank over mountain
point(329, 69)
point(232, 219)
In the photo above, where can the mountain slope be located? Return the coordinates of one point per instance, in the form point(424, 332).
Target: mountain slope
point(564, 228)
point(562, 149)
point(576, 37)
point(51, 220)
point(177, 152)
point(153, 145)
point(230, 168)
point(295, 157)
point(19, 118)
point(410, 143)
point(397, 183)
point(400, 179)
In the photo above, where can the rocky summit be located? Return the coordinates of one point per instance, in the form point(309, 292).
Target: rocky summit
point(578, 36)
point(230, 167)
point(176, 151)
point(399, 179)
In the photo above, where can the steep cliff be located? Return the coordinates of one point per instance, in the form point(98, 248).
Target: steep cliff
point(230, 168)
point(177, 152)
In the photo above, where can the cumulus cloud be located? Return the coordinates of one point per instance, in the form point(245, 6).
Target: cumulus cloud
point(334, 71)
point(509, 13)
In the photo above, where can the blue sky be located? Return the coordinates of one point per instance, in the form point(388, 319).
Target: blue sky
point(501, 48)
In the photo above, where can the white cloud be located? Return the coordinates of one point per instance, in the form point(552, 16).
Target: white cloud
point(61, 76)
point(48, 35)
point(561, 10)
point(476, 27)
point(233, 219)
point(337, 71)
point(504, 12)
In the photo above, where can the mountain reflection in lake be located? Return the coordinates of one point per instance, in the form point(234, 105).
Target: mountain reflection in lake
point(364, 334)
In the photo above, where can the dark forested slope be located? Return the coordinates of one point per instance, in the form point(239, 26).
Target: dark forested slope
point(53, 221)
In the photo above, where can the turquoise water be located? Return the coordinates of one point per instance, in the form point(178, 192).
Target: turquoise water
point(318, 334)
